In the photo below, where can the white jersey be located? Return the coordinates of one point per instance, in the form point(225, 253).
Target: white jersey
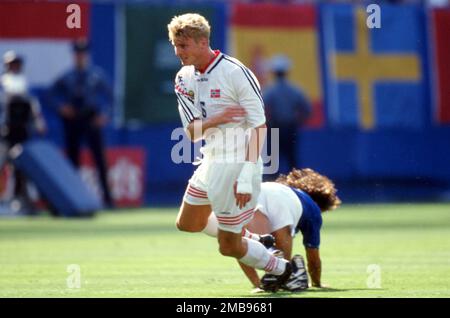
point(225, 82)
point(280, 205)
point(12, 84)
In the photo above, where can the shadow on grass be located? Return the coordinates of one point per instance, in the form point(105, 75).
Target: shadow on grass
point(307, 293)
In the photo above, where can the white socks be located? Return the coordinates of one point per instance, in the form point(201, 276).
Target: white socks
point(212, 226)
point(250, 235)
point(259, 257)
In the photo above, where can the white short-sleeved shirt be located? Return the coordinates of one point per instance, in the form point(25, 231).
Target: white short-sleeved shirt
point(280, 205)
point(225, 82)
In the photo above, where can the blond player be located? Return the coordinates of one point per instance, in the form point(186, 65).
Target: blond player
point(219, 101)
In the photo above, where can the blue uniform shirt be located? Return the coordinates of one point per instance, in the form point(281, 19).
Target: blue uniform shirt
point(86, 90)
point(286, 103)
point(311, 220)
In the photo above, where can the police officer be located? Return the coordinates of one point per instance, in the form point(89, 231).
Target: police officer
point(83, 97)
point(286, 107)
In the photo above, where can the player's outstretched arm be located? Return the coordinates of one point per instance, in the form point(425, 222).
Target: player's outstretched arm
point(251, 274)
point(314, 265)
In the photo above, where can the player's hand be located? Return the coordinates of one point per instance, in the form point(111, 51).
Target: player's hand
point(257, 290)
point(243, 186)
point(241, 198)
point(321, 285)
point(231, 114)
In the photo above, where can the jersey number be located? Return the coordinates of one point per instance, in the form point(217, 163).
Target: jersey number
point(202, 104)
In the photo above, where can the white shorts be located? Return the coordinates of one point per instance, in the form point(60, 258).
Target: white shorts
point(212, 184)
point(280, 205)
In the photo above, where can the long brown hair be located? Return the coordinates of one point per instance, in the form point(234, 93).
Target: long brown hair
point(318, 187)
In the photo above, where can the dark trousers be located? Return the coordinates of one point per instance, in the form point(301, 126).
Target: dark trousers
point(18, 134)
point(287, 143)
point(75, 132)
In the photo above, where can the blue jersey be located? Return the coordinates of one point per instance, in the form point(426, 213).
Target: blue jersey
point(86, 90)
point(311, 220)
point(286, 103)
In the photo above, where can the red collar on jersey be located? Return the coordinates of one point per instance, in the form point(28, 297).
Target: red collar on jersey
point(216, 54)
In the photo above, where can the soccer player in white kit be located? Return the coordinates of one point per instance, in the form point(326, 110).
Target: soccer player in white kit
point(219, 101)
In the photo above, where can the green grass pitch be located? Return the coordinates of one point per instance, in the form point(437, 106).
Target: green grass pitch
point(139, 253)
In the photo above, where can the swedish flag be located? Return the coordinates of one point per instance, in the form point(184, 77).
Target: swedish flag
point(374, 76)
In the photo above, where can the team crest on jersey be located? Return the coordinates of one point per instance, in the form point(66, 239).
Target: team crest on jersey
point(215, 93)
point(191, 94)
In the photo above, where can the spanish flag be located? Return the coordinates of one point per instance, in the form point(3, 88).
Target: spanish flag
point(260, 31)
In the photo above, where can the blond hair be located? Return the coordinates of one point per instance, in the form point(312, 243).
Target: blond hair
point(191, 25)
point(318, 187)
